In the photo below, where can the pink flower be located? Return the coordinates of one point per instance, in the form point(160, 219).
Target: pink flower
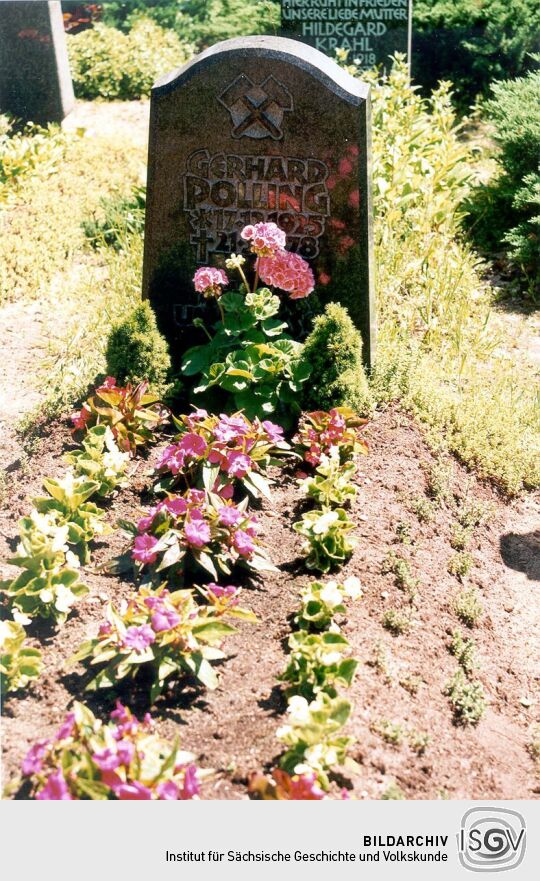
point(106, 760)
point(126, 751)
point(168, 791)
point(173, 459)
point(111, 779)
point(243, 543)
point(265, 238)
point(193, 444)
point(81, 418)
point(288, 272)
point(197, 533)
point(55, 789)
point(227, 492)
point(105, 629)
point(145, 523)
point(191, 785)
point(120, 714)
point(66, 728)
point(138, 638)
point(164, 619)
point(176, 506)
point(209, 281)
point(229, 515)
point(305, 788)
point(133, 792)
point(230, 428)
point(33, 760)
point(238, 464)
point(143, 548)
point(195, 497)
point(107, 385)
point(273, 431)
point(226, 592)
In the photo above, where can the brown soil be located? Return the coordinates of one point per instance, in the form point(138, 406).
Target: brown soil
point(232, 730)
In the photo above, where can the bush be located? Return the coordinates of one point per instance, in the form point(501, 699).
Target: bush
point(136, 350)
point(506, 211)
point(203, 22)
point(473, 42)
point(106, 63)
point(334, 351)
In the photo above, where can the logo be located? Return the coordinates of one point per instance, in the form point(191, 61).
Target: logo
point(256, 111)
point(491, 840)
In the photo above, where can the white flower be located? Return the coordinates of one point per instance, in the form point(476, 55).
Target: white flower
point(331, 595)
point(64, 598)
point(59, 539)
point(72, 560)
point(298, 710)
point(46, 595)
point(331, 658)
point(323, 523)
point(21, 618)
point(235, 261)
point(353, 587)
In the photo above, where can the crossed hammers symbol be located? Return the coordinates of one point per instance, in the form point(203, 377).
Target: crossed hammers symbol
point(257, 114)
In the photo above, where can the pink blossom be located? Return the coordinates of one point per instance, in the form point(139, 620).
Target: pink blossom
point(227, 592)
point(120, 714)
point(273, 431)
point(138, 638)
point(227, 492)
point(168, 791)
point(145, 523)
point(229, 515)
point(33, 760)
point(230, 428)
point(193, 444)
point(106, 760)
point(133, 792)
point(164, 619)
point(143, 548)
point(108, 384)
point(81, 418)
point(176, 506)
point(288, 272)
point(238, 464)
point(66, 728)
point(197, 533)
point(111, 779)
point(55, 789)
point(195, 497)
point(209, 281)
point(191, 785)
point(126, 751)
point(305, 788)
point(243, 543)
point(105, 629)
point(265, 238)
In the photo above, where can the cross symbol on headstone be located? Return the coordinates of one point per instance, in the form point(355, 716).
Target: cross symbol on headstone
point(201, 240)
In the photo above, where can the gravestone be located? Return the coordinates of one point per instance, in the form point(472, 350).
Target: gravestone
point(259, 129)
point(371, 30)
point(35, 79)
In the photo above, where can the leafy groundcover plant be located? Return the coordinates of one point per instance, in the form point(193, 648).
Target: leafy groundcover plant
point(100, 460)
point(328, 541)
point(331, 485)
point(19, 663)
point(168, 633)
point(198, 528)
point(250, 356)
point(132, 414)
point(221, 453)
point(122, 760)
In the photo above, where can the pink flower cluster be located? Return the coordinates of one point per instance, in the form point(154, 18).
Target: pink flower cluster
point(233, 443)
point(208, 281)
point(320, 432)
point(265, 238)
point(116, 764)
point(288, 272)
point(197, 524)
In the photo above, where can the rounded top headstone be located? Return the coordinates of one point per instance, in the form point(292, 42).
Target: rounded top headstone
point(280, 49)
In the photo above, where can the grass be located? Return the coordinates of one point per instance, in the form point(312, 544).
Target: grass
point(401, 570)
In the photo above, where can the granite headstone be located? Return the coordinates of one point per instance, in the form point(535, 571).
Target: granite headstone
point(259, 129)
point(35, 79)
point(371, 30)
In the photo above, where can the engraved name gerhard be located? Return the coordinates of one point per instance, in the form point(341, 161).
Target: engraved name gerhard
point(222, 193)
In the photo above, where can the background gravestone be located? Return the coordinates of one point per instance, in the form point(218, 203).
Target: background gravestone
point(35, 79)
point(259, 129)
point(371, 30)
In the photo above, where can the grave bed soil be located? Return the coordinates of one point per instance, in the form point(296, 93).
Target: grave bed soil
point(232, 730)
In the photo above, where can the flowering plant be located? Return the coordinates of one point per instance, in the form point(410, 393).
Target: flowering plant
point(331, 484)
point(100, 460)
point(67, 506)
point(328, 542)
point(317, 664)
point(132, 414)
point(197, 527)
point(320, 433)
point(123, 760)
point(285, 787)
point(321, 602)
point(220, 453)
point(169, 633)
point(49, 584)
point(311, 735)
point(19, 664)
point(249, 356)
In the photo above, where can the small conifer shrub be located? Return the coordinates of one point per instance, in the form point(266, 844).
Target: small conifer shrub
point(334, 351)
point(137, 351)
